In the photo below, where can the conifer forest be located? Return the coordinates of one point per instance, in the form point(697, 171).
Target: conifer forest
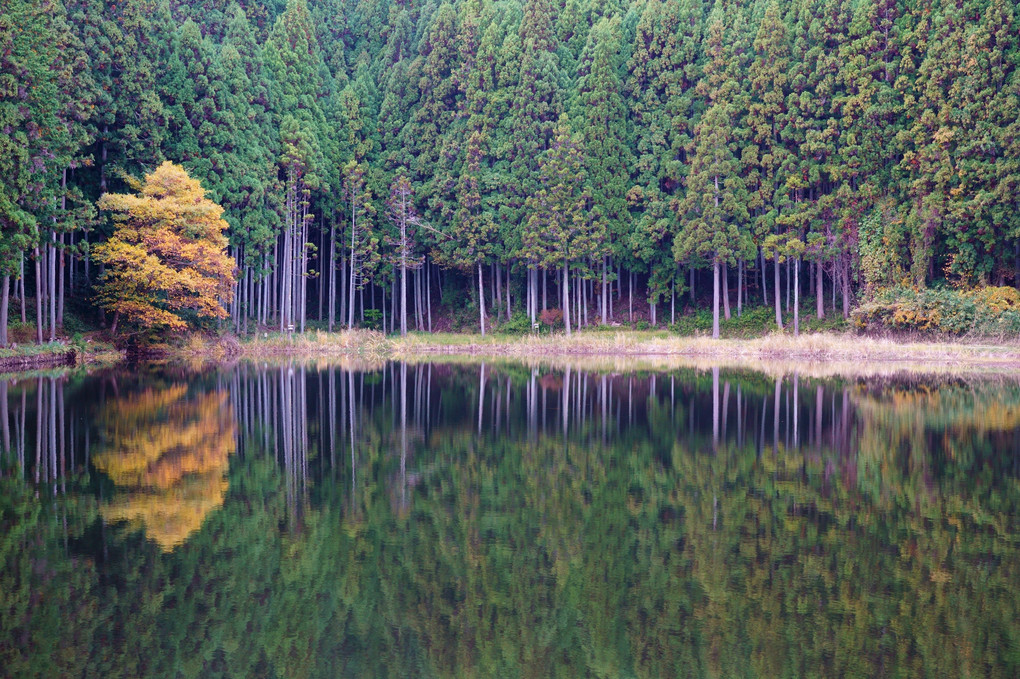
point(398, 163)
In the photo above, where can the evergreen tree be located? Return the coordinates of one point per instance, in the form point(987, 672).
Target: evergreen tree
point(292, 57)
point(364, 252)
point(768, 119)
point(403, 216)
point(558, 233)
point(601, 114)
point(663, 72)
point(714, 209)
point(45, 96)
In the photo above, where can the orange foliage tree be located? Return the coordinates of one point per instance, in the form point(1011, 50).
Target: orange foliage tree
point(167, 254)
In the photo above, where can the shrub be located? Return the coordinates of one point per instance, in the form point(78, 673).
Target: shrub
point(989, 311)
point(519, 324)
point(551, 318)
point(373, 319)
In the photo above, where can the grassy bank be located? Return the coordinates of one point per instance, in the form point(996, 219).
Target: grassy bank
point(26, 357)
point(608, 346)
point(807, 347)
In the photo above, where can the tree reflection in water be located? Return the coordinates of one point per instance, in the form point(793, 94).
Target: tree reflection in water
point(504, 520)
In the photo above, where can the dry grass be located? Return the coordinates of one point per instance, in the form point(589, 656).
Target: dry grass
point(822, 354)
point(311, 344)
point(815, 347)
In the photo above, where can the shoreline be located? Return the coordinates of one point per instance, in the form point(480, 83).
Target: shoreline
point(846, 352)
point(821, 353)
point(31, 358)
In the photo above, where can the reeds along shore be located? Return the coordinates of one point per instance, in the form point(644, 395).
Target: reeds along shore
point(626, 346)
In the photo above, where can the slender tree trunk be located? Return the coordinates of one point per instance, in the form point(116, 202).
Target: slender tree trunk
point(38, 299)
point(532, 295)
point(845, 267)
point(672, 301)
point(726, 290)
point(21, 283)
point(566, 298)
point(630, 299)
point(332, 275)
point(796, 296)
point(354, 266)
point(545, 289)
point(602, 299)
point(497, 301)
point(740, 287)
point(481, 298)
point(428, 290)
point(61, 275)
point(820, 287)
point(5, 296)
point(51, 287)
point(779, 310)
point(789, 271)
point(509, 311)
point(715, 300)
point(403, 293)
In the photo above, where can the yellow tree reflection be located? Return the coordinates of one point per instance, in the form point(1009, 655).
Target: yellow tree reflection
point(168, 453)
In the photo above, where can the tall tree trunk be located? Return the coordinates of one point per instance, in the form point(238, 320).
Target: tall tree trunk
point(545, 289)
point(566, 298)
point(715, 299)
point(602, 298)
point(672, 301)
point(332, 276)
point(51, 286)
point(21, 282)
point(740, 287)
point(497, 300)
point(481, 298)
point(820, 287)
point(5, 296)
point(630, 299)
point(796, 296)
point(403, 293)
point(509, 311)
point(354, 268)
point(61, 275)
point(779, 310)
point(39, 318)
point(726, 290)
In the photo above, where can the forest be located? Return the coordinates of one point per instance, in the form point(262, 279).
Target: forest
point(500, 163)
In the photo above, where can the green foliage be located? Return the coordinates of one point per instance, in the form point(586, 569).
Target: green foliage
point(877, 139)
point(982, 312)
point(519, 324)
point(373, 319)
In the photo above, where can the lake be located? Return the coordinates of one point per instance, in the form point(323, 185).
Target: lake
point(507, 520)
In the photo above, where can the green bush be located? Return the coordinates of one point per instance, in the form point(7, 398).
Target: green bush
point(373, 319)
point(989, 311)
point(519, 324)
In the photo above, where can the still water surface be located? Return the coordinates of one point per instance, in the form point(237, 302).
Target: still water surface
point(508, 521)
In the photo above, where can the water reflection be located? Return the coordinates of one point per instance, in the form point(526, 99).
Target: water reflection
point(491, 520)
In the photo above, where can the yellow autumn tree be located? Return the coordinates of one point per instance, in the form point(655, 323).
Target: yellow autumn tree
point(167, 254)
